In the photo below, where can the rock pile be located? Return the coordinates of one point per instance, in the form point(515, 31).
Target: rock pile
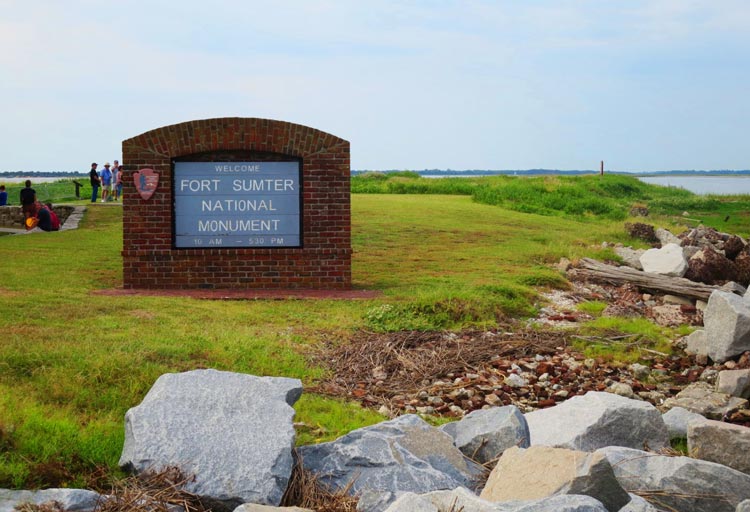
point(701, 254)
point(593, 459)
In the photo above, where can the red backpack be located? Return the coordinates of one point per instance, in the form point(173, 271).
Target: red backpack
point(54, 221)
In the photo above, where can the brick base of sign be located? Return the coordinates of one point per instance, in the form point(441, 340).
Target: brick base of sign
point(150, 259)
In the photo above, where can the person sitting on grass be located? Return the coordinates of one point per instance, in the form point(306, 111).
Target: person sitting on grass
point(47, 219)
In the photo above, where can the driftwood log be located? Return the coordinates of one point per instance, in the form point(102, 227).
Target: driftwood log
point(597, 270)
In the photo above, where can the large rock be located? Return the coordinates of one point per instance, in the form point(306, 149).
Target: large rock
point(71, 500)
point(630, 257)
point(540, 471)
point(598, 419)
point(676, 419)
point(484, 434)
point(710, 267)
point(678, 483)
point(734, 383)
point(666, 237)
point(464, 501)
point(388, 459)
point(744, 506)
point(733, 246)
point(668, 261)
point(233, 432)
point(720, 442)
point(638, 504)
point(252, 507)
point(742, 261)
point(701, 398)
point(727, 325)
point(697, 343)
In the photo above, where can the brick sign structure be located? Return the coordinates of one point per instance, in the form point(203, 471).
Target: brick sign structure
point(236, 203)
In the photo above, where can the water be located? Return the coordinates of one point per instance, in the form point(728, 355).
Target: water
point(704, 184)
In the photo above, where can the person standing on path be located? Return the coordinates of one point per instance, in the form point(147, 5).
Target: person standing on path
point(95, 182)
point(106, 177)
point(3, 196)
point(28, 201)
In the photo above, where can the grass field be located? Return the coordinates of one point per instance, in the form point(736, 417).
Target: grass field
point(73, 361)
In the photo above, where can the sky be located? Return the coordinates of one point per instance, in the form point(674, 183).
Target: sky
point(640, 84)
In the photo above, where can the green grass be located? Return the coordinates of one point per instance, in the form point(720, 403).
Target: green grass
point(54, 191)
point(73, 360)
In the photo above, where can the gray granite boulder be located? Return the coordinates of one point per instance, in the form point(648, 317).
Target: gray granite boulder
point(464, 501)
point(697, 343)
point(72, 500)
point(720, 442)
point(598, 419)
point(252, 507)
point(630, 257)
point(676, 419)
point(388, 459)
point(638, 504)
point(483, 435)
point(668, 261)
point(541, 471)
point(232, 431)
point(734, 383)
point(744, 506)
point(666, 237)
point(727, 325)
point(678, 483)
point(701, 398)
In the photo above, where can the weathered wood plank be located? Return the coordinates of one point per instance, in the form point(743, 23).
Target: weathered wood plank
point(618, 275)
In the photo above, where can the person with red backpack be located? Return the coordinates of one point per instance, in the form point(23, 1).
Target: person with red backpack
point(48, 220)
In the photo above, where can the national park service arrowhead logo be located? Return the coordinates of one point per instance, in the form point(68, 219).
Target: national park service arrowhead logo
point(145, 182)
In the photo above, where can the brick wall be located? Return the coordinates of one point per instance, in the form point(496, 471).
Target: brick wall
point(324, 261)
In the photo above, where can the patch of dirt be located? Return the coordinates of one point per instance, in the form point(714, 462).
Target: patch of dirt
point(529, 365)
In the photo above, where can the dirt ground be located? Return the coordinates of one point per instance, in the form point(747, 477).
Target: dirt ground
point(453, 373)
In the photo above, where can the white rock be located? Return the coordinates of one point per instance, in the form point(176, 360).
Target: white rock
point(669, 261)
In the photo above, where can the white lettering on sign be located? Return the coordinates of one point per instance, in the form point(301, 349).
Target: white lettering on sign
point(237, 205)
point(199, 185)
point(234, 225)
point(269, 185)
point(237, 168)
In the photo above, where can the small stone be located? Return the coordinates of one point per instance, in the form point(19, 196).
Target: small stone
point(426, 410)
point(709, 375)
point(515, 381)
point(493, 399)
point(640, 371)
point(384, 410)
point(619, 388)
point(562, 394)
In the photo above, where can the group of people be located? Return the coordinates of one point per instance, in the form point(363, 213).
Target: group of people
point(36, 214)
point(109, 180)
